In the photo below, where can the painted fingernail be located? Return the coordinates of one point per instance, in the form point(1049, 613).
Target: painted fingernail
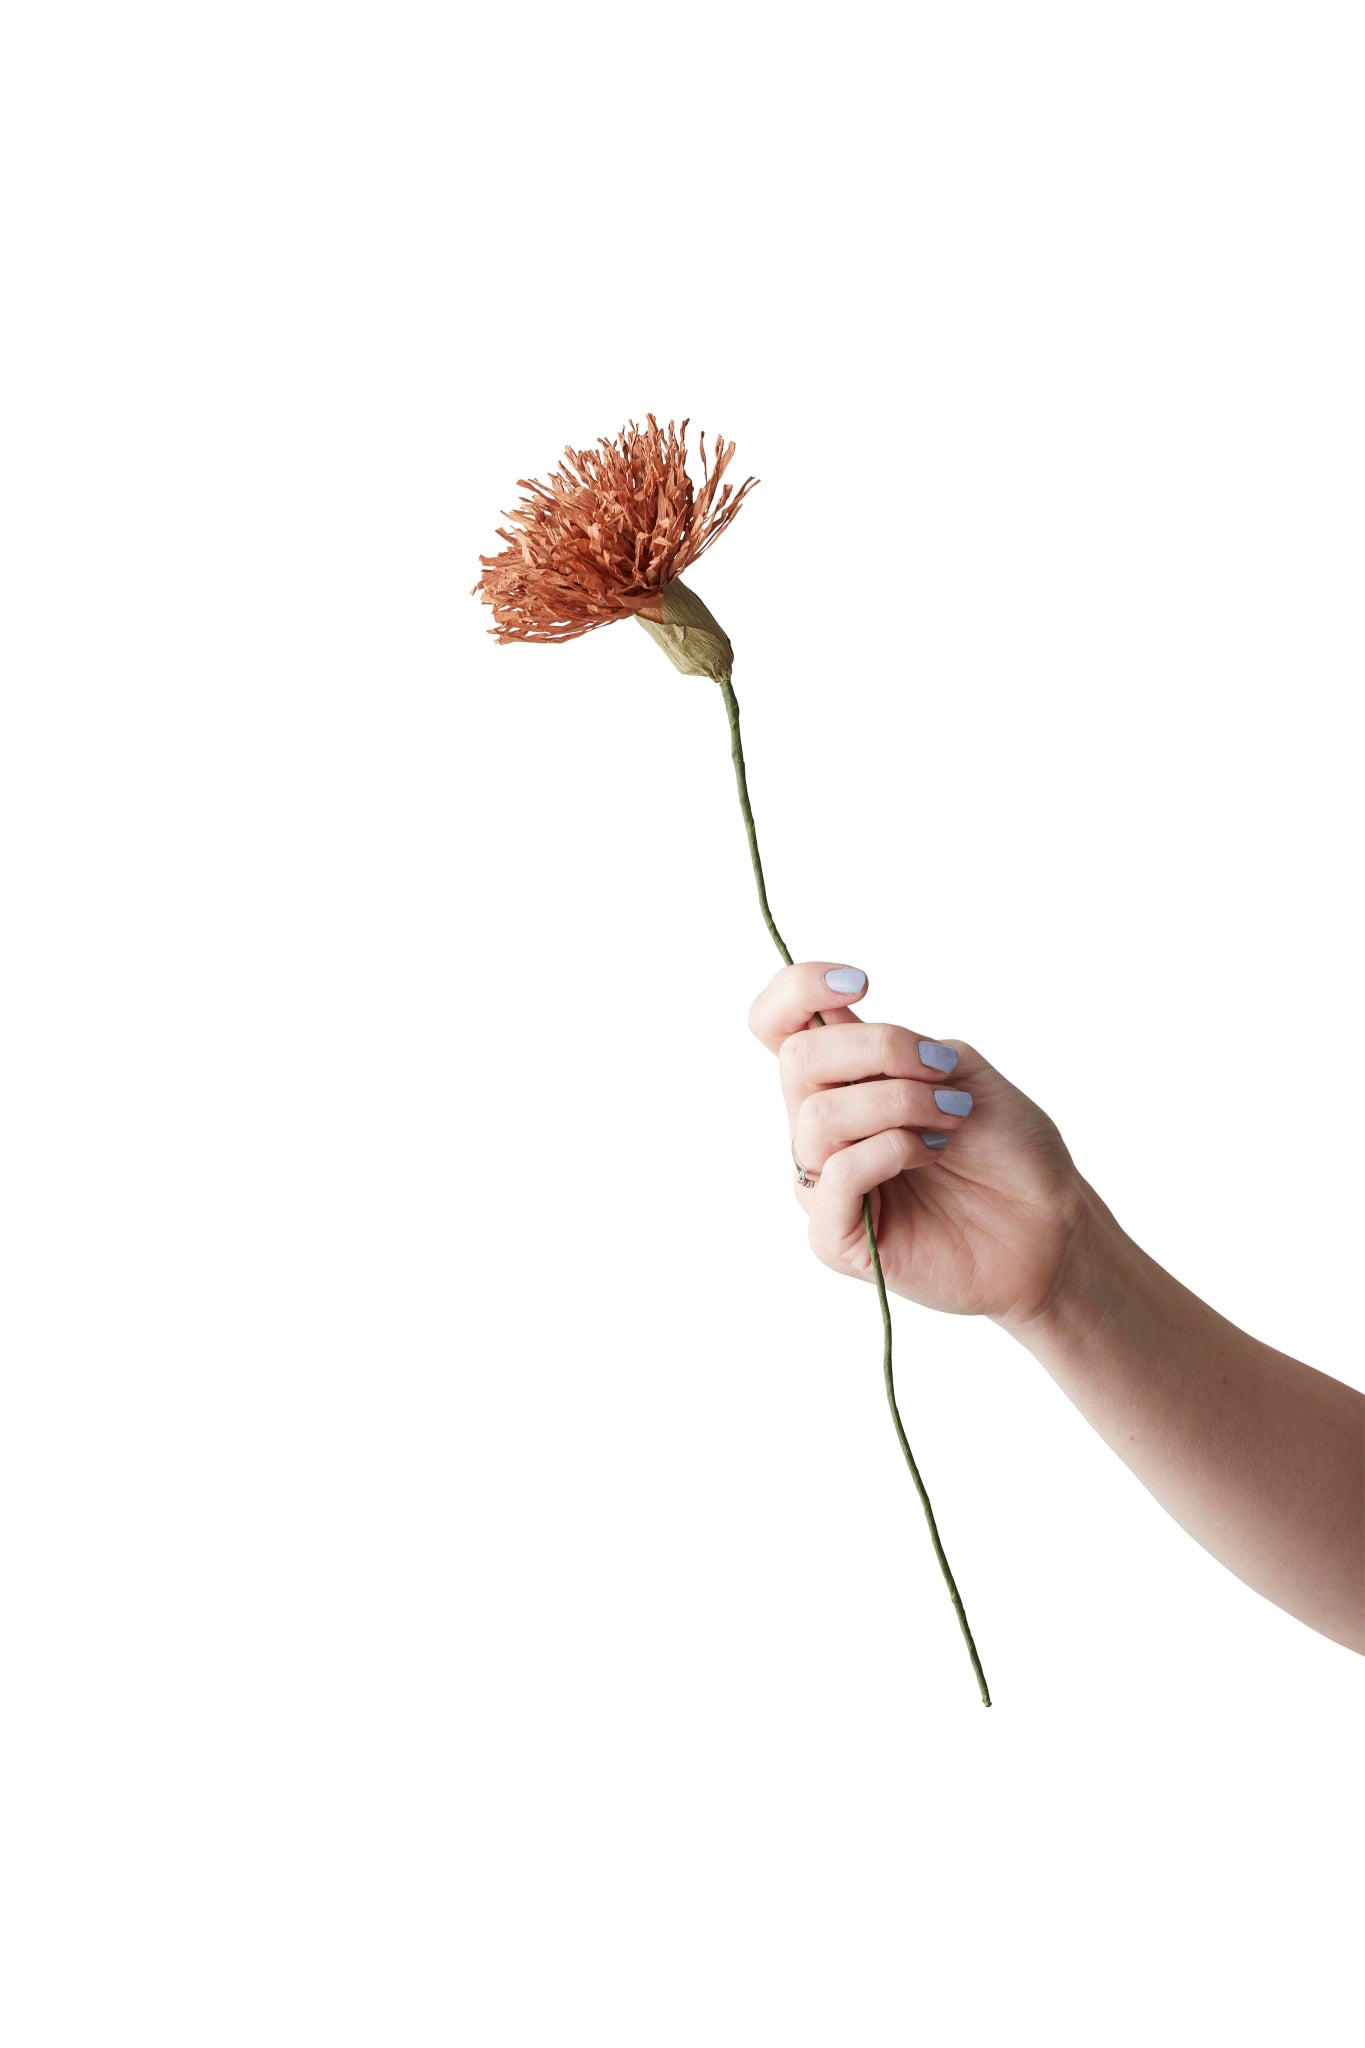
point(935, 1140)
point(847, 981)
point(953, 1101)
point(941, 1058)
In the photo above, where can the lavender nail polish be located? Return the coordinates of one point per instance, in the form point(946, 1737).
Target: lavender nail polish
point(935, 1140)
point(953, 1101)
point(847, 981)
point(941, 1058)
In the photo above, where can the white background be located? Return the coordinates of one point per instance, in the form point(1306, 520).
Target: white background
point(459, 1581)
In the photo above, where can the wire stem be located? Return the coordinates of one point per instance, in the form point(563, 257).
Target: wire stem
point(737, 756)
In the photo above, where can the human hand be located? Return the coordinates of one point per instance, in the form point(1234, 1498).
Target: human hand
point(977, 1226)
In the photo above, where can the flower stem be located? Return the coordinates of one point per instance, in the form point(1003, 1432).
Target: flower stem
point(737, 756)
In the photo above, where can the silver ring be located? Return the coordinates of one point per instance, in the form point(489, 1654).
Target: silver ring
point(803, 1179)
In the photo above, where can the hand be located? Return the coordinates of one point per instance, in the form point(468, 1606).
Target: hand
point(979, 1226)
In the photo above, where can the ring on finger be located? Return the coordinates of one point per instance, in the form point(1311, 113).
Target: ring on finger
point(803, 1179)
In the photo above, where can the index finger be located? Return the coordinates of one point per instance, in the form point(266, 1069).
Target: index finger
point(805, 990)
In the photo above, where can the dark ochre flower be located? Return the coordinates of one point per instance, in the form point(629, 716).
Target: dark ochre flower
point(606, 536)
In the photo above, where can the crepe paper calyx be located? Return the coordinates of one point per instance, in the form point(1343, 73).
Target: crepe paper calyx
point(690, 635)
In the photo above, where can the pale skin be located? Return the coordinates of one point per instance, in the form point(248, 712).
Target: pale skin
point(1260, 1457)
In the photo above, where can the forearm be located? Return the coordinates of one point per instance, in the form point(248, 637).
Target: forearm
point(1259, 1457)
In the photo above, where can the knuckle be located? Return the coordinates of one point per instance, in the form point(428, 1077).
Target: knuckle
point(907, 1102)
point(791, 1056)
point(894, 1153)
point(820, 1112)
point(894, 1047)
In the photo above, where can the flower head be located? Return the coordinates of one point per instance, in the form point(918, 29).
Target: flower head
point(608, 534)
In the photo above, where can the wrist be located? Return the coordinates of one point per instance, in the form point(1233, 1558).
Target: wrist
point(1099, 1277)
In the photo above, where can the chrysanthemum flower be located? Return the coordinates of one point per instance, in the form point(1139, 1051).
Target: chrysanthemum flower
point(608, 538)
point(604, 539)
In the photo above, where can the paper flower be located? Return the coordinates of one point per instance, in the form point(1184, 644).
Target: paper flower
point(608, 538)
point(603, 540)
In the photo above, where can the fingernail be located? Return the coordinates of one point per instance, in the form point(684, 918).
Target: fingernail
point(847, 981)
point(935, 1140)
point(941, 1057)
point(953, 1101)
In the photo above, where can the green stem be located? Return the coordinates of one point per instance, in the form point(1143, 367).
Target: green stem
point(939, 1553)
point(737, 756)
